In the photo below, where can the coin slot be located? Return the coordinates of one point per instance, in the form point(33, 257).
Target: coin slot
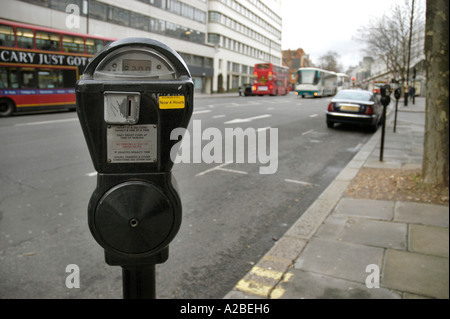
point(130, 102)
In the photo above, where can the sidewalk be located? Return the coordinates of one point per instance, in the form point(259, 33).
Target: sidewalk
point(343, 247)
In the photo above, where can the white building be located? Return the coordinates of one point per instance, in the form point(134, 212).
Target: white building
point(220, 40)
point(243, 32)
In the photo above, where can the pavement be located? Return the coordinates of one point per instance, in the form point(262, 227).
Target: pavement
point(349, 248)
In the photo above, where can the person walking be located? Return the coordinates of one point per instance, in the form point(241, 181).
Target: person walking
point(412, 94)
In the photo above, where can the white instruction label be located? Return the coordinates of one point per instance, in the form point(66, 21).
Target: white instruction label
point(132, 143)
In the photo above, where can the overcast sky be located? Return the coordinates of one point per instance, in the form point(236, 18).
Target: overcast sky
point(318, 26)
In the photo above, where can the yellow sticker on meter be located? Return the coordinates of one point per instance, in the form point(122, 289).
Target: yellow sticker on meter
point(171, 102)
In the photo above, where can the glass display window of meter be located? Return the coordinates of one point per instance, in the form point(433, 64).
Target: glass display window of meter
point(135, 64)
point(130, 64)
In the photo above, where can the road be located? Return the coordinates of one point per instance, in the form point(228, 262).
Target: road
point(232, 214)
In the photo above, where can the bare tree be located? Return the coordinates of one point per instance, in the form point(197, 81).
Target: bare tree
point(388, 37)
point(435, 167)
point(329, 62)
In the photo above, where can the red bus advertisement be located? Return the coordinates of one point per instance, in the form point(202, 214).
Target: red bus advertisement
point(270, 79)
point(40, 66)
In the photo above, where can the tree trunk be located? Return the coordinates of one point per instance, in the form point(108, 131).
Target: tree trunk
point(435, 168)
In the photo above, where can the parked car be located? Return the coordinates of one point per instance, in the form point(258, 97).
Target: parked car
point(355, 106)
point(245, 89)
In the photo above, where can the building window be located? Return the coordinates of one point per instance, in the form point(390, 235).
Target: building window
point(213, 38)
point(119, 16)
point(139, 21)
point(97, 10)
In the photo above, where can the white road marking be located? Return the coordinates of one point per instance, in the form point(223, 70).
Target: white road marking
point(201, 112)
point(232, 171)
point(235, 121)
point(221, 168)
point(298, 182)
point(313, 115)
point(307, 132)
point(91, 174)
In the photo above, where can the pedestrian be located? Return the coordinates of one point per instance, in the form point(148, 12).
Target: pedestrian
point(412, 94)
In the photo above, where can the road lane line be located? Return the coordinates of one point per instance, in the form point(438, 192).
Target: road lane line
point(246, 120)
point(307, 132)
point(212, 169)
point(232, 171)
point(298, 182)
point(201, 112)
point(313, 115)
point(91, 174)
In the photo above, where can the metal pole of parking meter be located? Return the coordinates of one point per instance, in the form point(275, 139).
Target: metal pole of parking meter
point(385, 100)
point(139, 282)
point(395, 119)
point(382, 133)
point(397, 95)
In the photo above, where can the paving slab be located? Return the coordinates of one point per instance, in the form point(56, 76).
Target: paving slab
point(424, 275)
point(429, 240)
point(375, 233)
point(419, 213)
point(339, 259)
point(376, 209)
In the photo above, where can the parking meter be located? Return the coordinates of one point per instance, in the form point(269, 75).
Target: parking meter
point(397, 95)
point(385, 91)
point(131, 96)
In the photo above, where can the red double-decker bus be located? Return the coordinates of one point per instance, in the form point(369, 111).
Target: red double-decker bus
point(40, 66)
point(270, 79)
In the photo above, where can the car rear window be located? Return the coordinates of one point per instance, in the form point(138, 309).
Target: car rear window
point(354, 95)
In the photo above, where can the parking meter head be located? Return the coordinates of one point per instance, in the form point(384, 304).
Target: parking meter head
point(397, 93)
point(131, 96)
point(384, 90)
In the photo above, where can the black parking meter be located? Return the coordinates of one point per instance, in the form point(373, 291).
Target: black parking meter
point(385, 91)
point(397, 95)
point(131, 96)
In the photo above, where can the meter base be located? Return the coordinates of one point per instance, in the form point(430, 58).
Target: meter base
point(118, 260)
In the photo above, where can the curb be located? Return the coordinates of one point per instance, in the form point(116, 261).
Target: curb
point(262, 280)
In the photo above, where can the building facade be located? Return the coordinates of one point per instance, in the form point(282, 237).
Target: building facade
point(243, 33)
point(220, 40)
point(295, 59)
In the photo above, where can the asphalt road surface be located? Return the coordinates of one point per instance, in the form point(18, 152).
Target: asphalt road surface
point(232, 214)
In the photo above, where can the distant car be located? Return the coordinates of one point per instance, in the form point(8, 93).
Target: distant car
point(357, 107)
point(245, 89)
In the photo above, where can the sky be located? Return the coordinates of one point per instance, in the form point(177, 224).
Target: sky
point(319, 26)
